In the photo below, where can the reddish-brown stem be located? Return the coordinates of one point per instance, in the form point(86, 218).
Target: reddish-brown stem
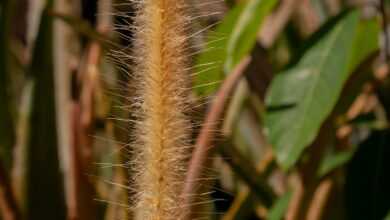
point(8, 205)
point(80, 194)
point(308, 173)
point(276, 22)
point(320, 199)
point(307, 20)
point(208, 131)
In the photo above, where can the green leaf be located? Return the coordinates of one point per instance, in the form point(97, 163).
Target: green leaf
point(278, 210)
point(229, 43)
point(333, 160)
point(210, 63)
point(302, 97)
point(244, 34)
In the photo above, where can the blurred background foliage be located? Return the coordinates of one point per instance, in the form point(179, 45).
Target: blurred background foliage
point(303, 135)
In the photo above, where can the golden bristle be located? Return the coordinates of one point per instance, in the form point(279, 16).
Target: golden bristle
point(162, 127)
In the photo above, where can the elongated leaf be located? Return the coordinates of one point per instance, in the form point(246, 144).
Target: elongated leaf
point(301, 98)
point(45, 195)
point(278, 210)
point(7, 133)
point(231, 41)
point(245, 31)
point(210, 62)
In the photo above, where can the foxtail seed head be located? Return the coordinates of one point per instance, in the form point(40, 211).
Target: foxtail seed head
point(163, 128)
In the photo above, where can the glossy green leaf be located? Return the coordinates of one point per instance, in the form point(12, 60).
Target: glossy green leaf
point(302, 97)
point(231, 41)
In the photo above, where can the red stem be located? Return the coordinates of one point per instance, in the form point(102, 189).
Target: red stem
point(208, 131)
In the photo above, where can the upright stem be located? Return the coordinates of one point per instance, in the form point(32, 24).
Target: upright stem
point(207, 134)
